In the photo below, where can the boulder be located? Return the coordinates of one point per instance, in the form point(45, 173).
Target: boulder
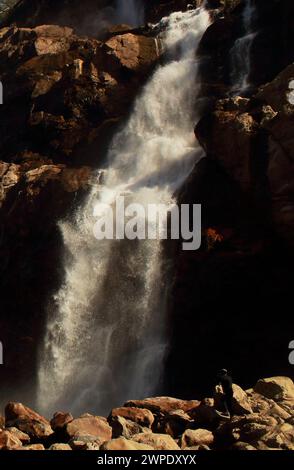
point(141, 416)
point(124, 444)
point(240, 402)
point(9, 177)
point(250, 428)
point(122, 427)
point(132, 52)
point(288, 406)
point(253, 432)
point(9, 441)
point(164, 405)
point(282, 437)
point(157, 441)
point(204, 413)
point(259, 403)
point(28, 421)
point(32, 447)
point(276, 388)
point(175, 423)
point(22, 436)
point(89, 427)
point(87, 443)
point(60, 447)
point(278, 412)
point(60, 420)
point(52, 39)
point(196, 437)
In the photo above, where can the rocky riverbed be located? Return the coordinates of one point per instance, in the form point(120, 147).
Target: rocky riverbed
point(263, 419)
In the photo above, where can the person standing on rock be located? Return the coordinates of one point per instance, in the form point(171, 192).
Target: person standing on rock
point(226, 382)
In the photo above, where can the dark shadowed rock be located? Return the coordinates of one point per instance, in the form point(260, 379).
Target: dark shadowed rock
point(204, 413)
point(60, 420)
point(122, 427)
point(242, 446)
point(175, 423)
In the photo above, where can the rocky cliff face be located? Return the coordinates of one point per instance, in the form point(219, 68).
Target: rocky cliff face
point(234, 292)
point(68, 85)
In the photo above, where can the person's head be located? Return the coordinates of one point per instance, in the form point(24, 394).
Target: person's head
point(223, 372)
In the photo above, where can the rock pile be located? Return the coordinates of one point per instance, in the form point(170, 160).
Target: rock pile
point(263, 419)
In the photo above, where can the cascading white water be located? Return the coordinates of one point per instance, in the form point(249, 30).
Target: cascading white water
point(241, 51)
point(106, 335)
point(130, 12)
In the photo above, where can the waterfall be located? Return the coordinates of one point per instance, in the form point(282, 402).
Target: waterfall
point(241, 52)
point(106, 334)
point(130, 12)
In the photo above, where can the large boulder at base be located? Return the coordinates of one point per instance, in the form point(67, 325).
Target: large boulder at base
point(60, 447)
point(141, 416)
point(276, 388)
point(164, 404)
point(8, 441)
point(122, 427)
point(196, 437)
point(157, 441)
point(90, 427)
point(60, 420)
point(124, 444)
point(28, 421)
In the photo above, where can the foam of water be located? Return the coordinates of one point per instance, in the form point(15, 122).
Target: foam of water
point(106, 334)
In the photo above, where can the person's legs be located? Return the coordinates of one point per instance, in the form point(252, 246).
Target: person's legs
point(226, 406)
point(229, 404)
